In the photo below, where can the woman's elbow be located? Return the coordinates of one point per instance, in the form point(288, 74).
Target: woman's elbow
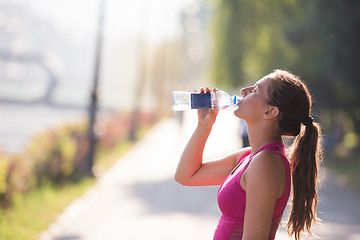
point(181, 180)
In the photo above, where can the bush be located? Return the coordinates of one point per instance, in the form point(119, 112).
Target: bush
point(15, 178)
point(58, 155)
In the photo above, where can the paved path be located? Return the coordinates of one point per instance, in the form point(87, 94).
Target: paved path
point(138, 198)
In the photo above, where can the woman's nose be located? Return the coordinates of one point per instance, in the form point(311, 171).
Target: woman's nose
point(243, 91)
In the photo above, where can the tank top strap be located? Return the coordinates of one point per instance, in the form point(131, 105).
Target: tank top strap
point(275, 147)
point(270, 146)
point(278, 149)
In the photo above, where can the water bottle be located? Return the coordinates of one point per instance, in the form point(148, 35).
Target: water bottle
point(183, 100)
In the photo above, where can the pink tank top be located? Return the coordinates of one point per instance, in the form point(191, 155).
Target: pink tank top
point(232, 198)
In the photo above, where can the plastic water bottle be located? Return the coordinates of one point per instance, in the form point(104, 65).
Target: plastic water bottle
point(183, 100)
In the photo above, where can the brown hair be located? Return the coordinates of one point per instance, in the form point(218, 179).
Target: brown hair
point(293, 99)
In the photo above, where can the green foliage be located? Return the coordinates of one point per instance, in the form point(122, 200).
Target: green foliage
point(28, 188)
point(57, 156)
point(15, 178)
point(3, 169)
point(54, 153)
point(327, 36)
point(249, 41)
point(317, 40)
point(32, 213)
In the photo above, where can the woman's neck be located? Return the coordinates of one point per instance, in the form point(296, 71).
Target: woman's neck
point(261, 134)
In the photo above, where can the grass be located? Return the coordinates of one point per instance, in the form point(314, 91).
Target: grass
point(33, 212)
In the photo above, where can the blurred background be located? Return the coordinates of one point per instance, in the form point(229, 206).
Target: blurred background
point(49, 53)
point(82, 81)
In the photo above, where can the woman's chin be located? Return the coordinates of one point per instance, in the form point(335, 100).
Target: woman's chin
point(237, 113)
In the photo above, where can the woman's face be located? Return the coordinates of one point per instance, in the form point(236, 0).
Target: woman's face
point(253, 102)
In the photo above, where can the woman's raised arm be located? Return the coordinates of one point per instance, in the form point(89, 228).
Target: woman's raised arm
point(191, 170)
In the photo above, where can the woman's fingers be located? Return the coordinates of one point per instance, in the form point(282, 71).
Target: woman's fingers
point(207, 90)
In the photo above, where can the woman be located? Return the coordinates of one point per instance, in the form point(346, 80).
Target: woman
point(256, 181)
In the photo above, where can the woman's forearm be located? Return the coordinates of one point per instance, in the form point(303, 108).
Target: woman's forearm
point(192, 156)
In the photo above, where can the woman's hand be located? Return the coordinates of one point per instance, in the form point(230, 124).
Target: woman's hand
point(207, 117)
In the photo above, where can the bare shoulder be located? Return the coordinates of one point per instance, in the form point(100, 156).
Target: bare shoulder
point(267, 171)
point(267, 161)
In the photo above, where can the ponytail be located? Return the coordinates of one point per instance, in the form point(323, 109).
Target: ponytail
point(305, 161)
point(290, 94)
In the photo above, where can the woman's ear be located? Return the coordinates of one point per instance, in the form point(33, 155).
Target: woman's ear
point(271, 112)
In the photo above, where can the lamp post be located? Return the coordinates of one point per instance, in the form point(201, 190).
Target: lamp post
point(94, 92)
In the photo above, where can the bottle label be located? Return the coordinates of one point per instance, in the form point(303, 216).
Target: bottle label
point(200, 100)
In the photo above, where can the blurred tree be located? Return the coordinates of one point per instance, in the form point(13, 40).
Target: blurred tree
point(327, 34)
point(167, 67)
point(328, 39)
point(318, 40)
point(249, 40)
